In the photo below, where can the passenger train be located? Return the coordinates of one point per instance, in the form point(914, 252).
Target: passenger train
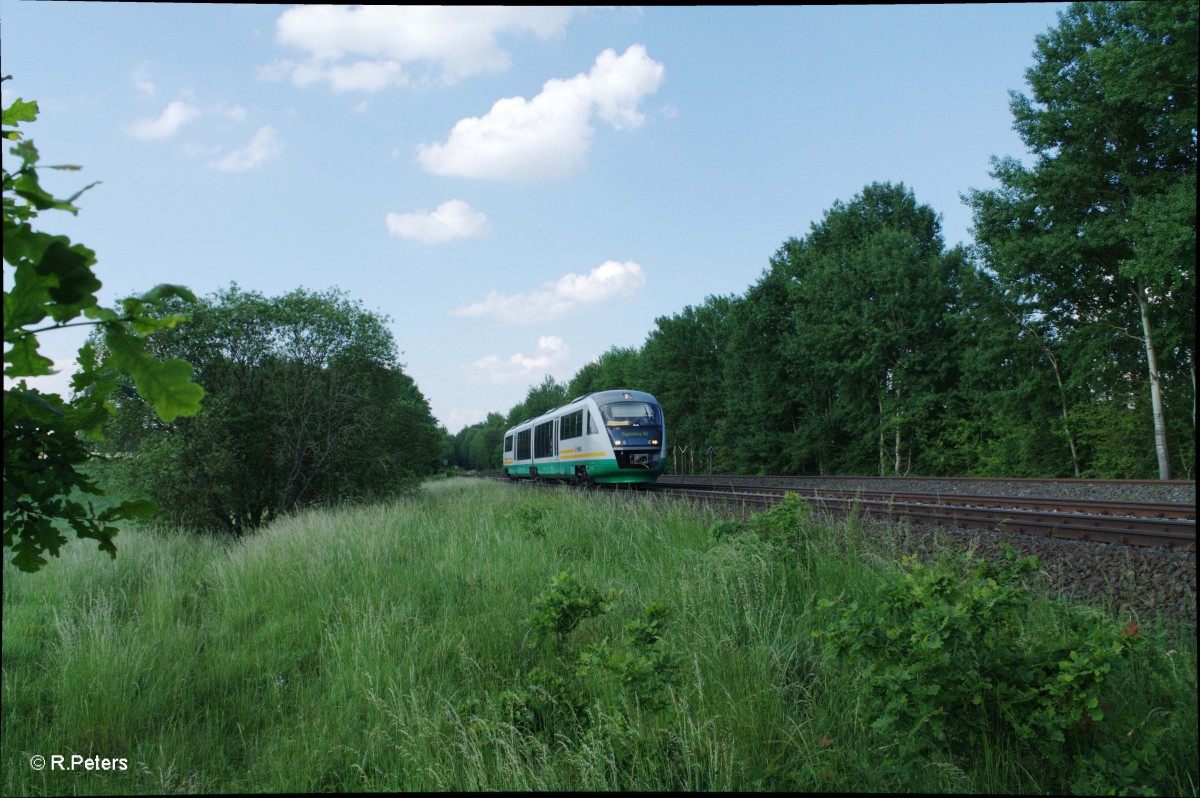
point(606, 437)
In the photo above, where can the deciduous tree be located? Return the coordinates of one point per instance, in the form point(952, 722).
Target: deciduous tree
point(309, 404)
point(1100, 231)
point(683, 365)
point(872, 292)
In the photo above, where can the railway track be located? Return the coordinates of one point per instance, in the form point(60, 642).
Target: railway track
point(939, 501)
point(1168, 525)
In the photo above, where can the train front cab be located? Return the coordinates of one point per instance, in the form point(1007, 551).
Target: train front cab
point(635, 436)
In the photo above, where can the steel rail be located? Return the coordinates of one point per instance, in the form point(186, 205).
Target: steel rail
point(918, 478)
point(1084, 506)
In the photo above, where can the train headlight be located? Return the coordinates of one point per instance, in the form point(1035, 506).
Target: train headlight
point(654, 442)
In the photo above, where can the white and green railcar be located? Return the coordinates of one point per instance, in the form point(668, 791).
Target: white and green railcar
point(605, 437)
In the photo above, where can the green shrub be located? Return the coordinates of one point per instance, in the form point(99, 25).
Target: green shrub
point(726, 529)
point(785, 524)
point(555, 697)
point(641, 669)
point(950, 664)
point(557, 611)
point(544, 701)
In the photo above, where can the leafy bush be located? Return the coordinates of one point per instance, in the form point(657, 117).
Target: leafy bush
point(785, 524)
point(557, 611)
point(950, 663)
point(544, 700)
point(306, 404)
point(555, 696)
point(639, 667)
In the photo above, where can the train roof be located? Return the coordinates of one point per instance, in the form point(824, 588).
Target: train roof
point(597, 396)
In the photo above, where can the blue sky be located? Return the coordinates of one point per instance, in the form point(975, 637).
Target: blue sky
point(517, 189)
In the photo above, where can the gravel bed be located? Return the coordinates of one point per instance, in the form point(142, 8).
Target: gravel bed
point(1128, 491)
point(1134, 581)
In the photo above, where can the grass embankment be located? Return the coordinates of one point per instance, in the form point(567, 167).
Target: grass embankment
point(412, 646)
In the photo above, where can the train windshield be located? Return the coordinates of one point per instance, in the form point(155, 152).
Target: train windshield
point(630, 414)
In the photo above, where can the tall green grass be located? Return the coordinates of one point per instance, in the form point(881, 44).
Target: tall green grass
point(384, 648)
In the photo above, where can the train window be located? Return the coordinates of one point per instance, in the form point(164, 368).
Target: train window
point(507, 444)
point(571, 425)
point(543, 440)
point(523, 445)
point(591, 424)
point(622, 414)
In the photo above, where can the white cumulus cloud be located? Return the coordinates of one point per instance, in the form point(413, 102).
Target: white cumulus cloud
point(556, 299)
point(380, 41)
point(263, 147)
point(547, 137)
point(551, 355)
point(452, 219)
point(174, 116)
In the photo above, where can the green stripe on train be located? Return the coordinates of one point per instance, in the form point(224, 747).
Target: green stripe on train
point(602, 471)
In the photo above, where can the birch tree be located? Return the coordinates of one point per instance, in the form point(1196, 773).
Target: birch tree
point(1099, 233)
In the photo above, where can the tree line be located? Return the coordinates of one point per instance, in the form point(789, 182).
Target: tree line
point(1061, 343)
